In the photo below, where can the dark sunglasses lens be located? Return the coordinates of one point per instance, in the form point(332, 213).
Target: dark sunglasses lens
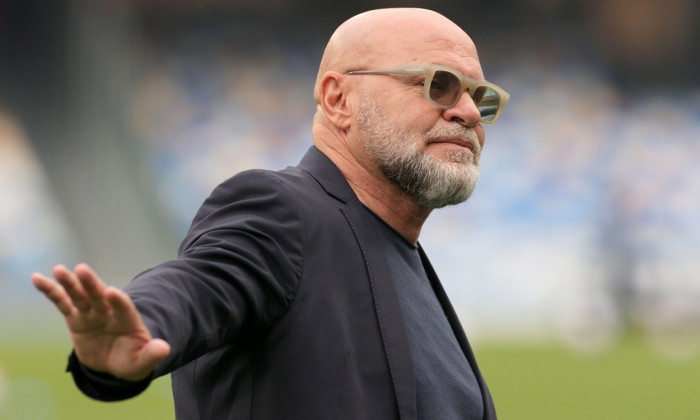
point(444, 88)
point(487, 100)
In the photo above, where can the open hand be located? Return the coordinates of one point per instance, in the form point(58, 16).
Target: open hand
point(107, 331)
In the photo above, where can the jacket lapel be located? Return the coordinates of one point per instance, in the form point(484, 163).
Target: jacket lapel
point(386, 302)
point(388, 312)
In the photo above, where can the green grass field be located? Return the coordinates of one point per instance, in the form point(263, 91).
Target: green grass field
point(627, 382)
point(537, 382)
point(36, 387)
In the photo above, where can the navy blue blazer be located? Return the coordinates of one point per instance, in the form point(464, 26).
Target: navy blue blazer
point(280, 306)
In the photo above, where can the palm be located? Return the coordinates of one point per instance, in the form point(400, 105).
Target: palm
point(107, 331)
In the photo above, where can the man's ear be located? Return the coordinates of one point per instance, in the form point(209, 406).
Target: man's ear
point(333, 98)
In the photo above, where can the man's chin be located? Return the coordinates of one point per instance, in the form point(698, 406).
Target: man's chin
point(462, 156)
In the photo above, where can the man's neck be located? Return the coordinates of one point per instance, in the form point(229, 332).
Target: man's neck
point(375, 191)
point(397, 209)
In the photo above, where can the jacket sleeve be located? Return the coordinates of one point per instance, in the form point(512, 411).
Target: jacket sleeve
point(103, 386)
point(236, 272)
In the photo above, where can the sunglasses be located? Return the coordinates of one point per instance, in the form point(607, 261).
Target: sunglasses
point(444, 86)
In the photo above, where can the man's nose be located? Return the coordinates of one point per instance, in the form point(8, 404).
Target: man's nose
point(464, 111)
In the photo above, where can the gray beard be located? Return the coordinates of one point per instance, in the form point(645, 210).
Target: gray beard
point(432, 182)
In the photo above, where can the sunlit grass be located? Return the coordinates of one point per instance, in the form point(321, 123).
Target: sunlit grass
point(628, 381)
point(539, 382)
point(35, 386)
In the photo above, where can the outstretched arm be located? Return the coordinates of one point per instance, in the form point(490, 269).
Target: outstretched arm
point(107, 331)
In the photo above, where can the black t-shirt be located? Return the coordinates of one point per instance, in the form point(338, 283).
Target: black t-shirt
point(446, 386)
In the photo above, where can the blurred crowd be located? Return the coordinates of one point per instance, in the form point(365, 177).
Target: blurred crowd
point(586, 222)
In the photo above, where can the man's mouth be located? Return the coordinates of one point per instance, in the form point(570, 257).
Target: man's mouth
point(465, 142)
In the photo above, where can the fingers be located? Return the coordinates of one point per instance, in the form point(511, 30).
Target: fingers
point(73, 287)
point(82, 290)
point(123, 307)
point(54, 292)
point(93, 286)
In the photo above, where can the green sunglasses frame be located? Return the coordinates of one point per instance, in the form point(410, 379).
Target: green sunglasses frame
point(428, 70)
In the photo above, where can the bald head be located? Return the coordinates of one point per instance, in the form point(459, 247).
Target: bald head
point(391, 37)
point(380, 131)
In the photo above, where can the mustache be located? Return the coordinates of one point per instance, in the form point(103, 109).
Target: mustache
point(439, 133)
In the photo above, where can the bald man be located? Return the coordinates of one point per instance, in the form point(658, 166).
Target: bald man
point(303, 293)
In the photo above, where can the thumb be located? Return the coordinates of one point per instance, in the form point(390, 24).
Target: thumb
point(153, 352)
point(148, 357)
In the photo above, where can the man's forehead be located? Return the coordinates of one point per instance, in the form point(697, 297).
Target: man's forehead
point(463, 49)
point(426, 37)
point(458, 54)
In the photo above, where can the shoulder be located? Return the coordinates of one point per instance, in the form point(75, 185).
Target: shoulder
point(257, 199)
point(286, 183)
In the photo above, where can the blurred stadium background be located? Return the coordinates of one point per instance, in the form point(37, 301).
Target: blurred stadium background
point(574, 268)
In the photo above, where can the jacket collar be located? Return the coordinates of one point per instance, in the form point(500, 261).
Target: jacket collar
point(324, 171)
